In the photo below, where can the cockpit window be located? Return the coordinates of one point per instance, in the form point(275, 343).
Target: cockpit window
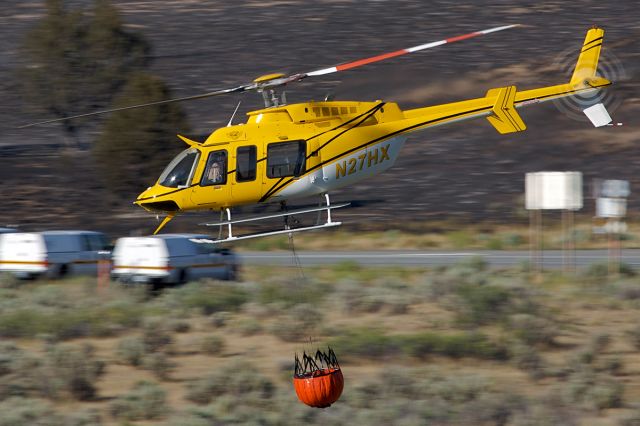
point(178, 173)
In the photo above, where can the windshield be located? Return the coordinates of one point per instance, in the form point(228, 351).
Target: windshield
point(178, 172)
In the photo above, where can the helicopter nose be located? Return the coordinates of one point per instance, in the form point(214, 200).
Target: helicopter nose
point(152, 199)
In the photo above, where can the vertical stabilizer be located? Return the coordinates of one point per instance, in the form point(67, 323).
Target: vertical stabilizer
point(589, 55)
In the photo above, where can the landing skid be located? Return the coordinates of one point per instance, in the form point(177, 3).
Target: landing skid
point(329, 223)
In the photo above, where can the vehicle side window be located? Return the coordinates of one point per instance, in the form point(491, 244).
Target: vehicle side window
point(97, 242)
point(246, 163)
point(286, 159)
point(85, 242)
point(215, 172)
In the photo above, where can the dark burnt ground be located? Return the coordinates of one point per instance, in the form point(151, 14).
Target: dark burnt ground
point(467, 171)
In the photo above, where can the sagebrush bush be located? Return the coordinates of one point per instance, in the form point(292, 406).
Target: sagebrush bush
point(71, 370)
point(482, 304)
point(156, 335)
point(205, 296)
point(595, 390)
point(130, 351)
point(528, 359)
point(290, 292)
point(146, 401)
point(219, 319)
point(240, 379)
point(246, 326)
point(533, 330)
point(297, 324)
point(18, 411)
point(213, 345)
point(179, 326)
point(374, 344)
point(71, 316)
point(159, 364)
point(475, 345)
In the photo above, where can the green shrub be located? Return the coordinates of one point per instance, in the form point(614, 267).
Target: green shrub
point(205, 296)
point(290, 292)
point(213, 345)
point(598, 271)
point(494, 243)
point(595, 391)
point(240, 379)
point(374, 344)
point(130, 351)
point(460, 239)
point(527, 359)
point(475, 345)
point(156, 335)
point(159, 364)
point(246, 326)
point(533, 330)
point(364, 343)
point(28, 412)
point(87, 417)
point(178, 326)
point(71, 370)
point(482, 304)
point(297, 324)
point(30, 320)
point(146, 401)
point(219, 319)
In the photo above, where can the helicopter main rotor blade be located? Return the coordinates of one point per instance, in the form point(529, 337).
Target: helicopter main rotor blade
point(281, 80)
point(384, 56)
point(167, 101)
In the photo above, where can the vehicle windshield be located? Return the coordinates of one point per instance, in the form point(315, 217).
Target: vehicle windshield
point(178, 173)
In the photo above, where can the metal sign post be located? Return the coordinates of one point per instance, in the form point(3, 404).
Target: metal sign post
point(611, 205)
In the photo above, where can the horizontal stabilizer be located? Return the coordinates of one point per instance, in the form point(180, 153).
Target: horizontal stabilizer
point(189, 141)
point(598, 115)
point(504, 116)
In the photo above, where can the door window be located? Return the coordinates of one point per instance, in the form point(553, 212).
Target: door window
point(178, 172)
point(286, 159)
point(246, 163)
point(215, 172)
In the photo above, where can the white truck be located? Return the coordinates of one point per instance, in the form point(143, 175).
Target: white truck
point(171, 259)
point(53, 254)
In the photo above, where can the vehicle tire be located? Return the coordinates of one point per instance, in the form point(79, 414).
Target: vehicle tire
point(63, 271)
point(232, 272)
point(183, 276)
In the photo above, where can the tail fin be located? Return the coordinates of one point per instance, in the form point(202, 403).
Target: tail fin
point(588, 60)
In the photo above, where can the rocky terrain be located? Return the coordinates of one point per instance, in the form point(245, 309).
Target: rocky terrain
point(465, 172)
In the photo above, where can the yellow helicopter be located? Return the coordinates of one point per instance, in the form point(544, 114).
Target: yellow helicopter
point(284, 152)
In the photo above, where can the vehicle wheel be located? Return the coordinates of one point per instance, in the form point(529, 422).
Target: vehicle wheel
point(63, 270)
point(183, 276)
point(232, 273)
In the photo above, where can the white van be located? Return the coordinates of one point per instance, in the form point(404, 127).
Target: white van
point(171, 258)
point(54, 254)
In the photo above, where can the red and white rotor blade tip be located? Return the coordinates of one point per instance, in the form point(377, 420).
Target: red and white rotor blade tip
point(382, 57)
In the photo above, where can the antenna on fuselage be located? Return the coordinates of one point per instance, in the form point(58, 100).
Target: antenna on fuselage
point(234, 114)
